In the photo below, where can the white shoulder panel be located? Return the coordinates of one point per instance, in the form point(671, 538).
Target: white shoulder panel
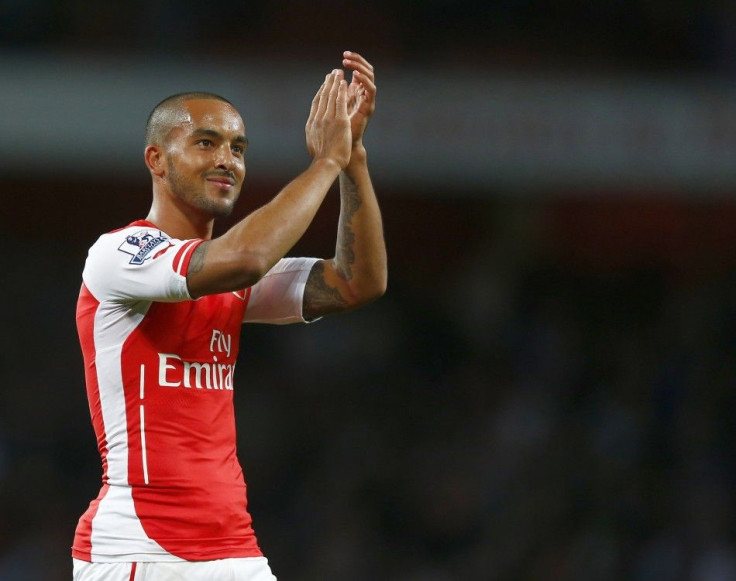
point(138, 263)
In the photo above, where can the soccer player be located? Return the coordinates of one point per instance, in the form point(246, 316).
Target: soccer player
point(159, 317)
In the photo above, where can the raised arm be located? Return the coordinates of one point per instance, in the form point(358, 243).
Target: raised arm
point(358, 272)
point(241, 256)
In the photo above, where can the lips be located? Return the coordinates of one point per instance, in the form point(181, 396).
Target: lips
point(223, 182)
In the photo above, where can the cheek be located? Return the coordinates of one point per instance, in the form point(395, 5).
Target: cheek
point(186, 166)
point(241, 170)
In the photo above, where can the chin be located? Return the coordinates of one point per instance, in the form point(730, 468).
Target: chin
point(225, 212)
point(218, 208)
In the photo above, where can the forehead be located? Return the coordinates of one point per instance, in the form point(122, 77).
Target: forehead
point(211, 114)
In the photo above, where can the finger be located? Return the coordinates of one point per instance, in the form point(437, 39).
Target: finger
point(334, 91)
point(365, 94)
point(368, 83)
point(360, 65)
point(324, 94)
point(317, 100)
point(341, 103)
point(315, 104)
point(363, 79)
point(353, 93)
point(363, 69)
point(355, 57)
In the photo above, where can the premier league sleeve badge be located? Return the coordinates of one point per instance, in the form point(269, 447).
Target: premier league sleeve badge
point(141, 244)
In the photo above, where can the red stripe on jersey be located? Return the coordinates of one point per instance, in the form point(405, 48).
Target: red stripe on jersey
point(160, 252)
point(247, 298)
point(132, 571)
point(182, 258)
point(184, 269)
point(86, 309)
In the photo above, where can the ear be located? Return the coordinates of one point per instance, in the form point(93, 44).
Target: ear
point(154, 158)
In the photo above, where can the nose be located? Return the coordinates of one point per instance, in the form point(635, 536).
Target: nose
point(224, 158)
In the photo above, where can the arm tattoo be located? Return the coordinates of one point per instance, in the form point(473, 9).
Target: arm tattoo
point(350, 200)
point(197, 261)
point(319, 297)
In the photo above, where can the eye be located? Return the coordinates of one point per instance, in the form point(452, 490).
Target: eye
point(205, 142)
point(238, 149)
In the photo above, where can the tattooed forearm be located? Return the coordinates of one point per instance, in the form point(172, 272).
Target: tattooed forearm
point(350, 202)
point(197, 261)
point(319, 297)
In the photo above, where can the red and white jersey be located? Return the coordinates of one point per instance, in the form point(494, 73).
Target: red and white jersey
point(159, 370)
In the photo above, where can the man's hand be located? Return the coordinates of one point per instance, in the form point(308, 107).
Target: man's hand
point(328, 126)
point(361, 94)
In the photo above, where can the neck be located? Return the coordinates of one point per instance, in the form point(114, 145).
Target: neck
point(179, 220)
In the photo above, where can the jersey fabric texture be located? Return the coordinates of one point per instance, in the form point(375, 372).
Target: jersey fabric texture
point(159, 371)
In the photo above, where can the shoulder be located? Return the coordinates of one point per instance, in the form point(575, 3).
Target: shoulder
point(139, 262)
point(133, 244)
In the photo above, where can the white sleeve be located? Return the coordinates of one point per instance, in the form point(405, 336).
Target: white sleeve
point(139, 263)
point(278, 297)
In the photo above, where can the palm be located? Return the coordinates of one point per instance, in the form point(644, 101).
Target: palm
point(361, 105)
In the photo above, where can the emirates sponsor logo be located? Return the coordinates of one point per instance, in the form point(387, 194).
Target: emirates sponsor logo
point(173, 371)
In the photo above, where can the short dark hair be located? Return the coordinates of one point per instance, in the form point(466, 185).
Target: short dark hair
point(161, 120)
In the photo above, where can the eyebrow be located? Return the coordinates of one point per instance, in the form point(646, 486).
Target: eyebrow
point(202, 132)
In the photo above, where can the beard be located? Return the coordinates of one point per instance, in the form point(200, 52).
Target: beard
point(194, 195)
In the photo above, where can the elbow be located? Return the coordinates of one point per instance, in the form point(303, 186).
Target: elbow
point(375, 287)
point(257, 267)
point(379, 289)
point(367, 292)
point(249, 269)
point(254, 271)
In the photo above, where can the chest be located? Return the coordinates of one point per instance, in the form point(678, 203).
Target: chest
point(195, 330)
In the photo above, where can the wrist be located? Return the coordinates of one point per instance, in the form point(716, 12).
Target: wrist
point(358, 150)
point(358, 157)
point(327, 164)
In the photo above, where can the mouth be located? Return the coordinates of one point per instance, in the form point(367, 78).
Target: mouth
point(222, 182)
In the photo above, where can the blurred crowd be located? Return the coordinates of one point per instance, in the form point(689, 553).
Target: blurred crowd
point(604, 34)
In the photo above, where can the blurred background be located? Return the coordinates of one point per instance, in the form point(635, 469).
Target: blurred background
point(546, 391)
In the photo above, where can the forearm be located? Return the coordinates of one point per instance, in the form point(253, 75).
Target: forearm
point(360, 253)
point(242, 255)
point(358, 272)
